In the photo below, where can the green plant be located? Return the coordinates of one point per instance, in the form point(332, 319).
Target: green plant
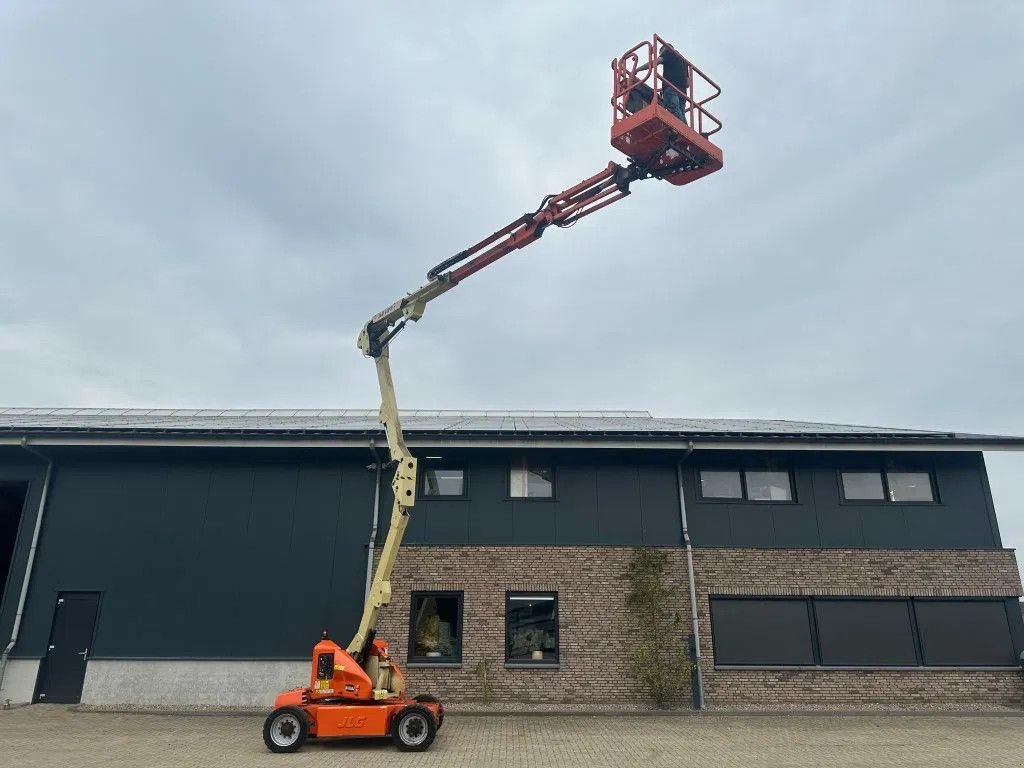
point(659, 658)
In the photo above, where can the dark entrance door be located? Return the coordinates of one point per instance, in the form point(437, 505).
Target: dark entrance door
point(63, 669)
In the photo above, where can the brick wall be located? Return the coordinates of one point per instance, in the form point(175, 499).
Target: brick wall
point(593, 624)
point(594, 632)
point(879, 572)
point(811, 688)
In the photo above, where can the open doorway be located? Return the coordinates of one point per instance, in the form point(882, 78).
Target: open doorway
point(12, 504)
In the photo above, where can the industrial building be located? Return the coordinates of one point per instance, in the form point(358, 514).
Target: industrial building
point(176, 557)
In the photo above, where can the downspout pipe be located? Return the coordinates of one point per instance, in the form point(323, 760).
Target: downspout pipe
point(376, 517)
point(40, 512)
point(699, 679)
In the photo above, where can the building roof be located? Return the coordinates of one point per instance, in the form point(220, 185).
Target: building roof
point(111, 425)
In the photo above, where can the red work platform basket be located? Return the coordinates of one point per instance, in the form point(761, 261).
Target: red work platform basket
point(659, 117)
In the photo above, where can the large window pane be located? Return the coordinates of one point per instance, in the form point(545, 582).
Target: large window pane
point(719, 484)
point(531, 628)
point(769, 486)
point(863, 486)
point(531, 482)
point(762, 632)
point(443, 482)
point(865, 632)
point(910, 486)
point(964, 632)
point(435, 620)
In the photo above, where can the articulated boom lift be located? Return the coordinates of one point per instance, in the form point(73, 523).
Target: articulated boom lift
point(359, 690)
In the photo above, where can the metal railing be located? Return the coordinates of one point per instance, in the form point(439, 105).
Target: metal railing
point(638, 78)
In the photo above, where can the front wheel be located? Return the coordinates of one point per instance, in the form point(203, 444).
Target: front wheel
point(413, 729)
point(285, 729)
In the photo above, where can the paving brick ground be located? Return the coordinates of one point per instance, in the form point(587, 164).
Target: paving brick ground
point(52, 735)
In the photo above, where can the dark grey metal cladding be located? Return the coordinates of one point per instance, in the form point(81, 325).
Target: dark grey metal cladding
point(212, 557)
point(962, 518)
point(251, 553)
point(604, 498)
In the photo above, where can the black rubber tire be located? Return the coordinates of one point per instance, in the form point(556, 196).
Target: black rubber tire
point(268, 732)
point(400, 733)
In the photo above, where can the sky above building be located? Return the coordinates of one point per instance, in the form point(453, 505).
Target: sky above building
point(201, 203)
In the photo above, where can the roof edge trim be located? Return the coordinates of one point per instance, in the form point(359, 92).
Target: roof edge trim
point(768, 444)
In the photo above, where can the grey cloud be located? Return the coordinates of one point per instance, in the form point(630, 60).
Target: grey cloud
point(199, 205)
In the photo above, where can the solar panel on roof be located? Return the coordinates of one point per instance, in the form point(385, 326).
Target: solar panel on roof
point(362, 421)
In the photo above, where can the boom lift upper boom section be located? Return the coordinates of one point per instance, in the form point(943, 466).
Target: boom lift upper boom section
point(664, 143)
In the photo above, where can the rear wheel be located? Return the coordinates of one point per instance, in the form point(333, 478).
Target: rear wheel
point(285, 729)
point(426, 698)
point(413, 729)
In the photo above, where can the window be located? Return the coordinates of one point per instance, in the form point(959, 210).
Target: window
point(768, 486)
point(531, 628)
point(752, 485)
point(862, 632)
point(761, 631)
point(964, 632)
point(435, 627)
point(910, 486)
point(865, 632)
point(531, 481)
point(444, 482)
point(715, 484)
point(888, 486)
point(865, 486)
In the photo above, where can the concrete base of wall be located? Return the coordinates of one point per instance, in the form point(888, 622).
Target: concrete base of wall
point(19, 681)
point(211, 685)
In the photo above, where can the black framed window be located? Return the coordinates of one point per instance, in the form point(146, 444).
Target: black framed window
point(764, 485)
point(910, 486)
point(862, 631)
point(527, 480)
point(749, 484)
point(720, 484)
point(865, 632)
point(531, 628)
point(891, 486)
point(964, 632)
point(863, 486)
point(761, 631)
point(435, 627)
point(443, 482)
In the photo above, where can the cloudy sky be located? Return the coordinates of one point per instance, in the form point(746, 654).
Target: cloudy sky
point(200, 203)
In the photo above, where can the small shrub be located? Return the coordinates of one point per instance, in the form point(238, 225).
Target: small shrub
point(482, 673)
point(659, 658)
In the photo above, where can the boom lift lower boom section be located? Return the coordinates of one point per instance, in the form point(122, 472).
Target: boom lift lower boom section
point(359, 690)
